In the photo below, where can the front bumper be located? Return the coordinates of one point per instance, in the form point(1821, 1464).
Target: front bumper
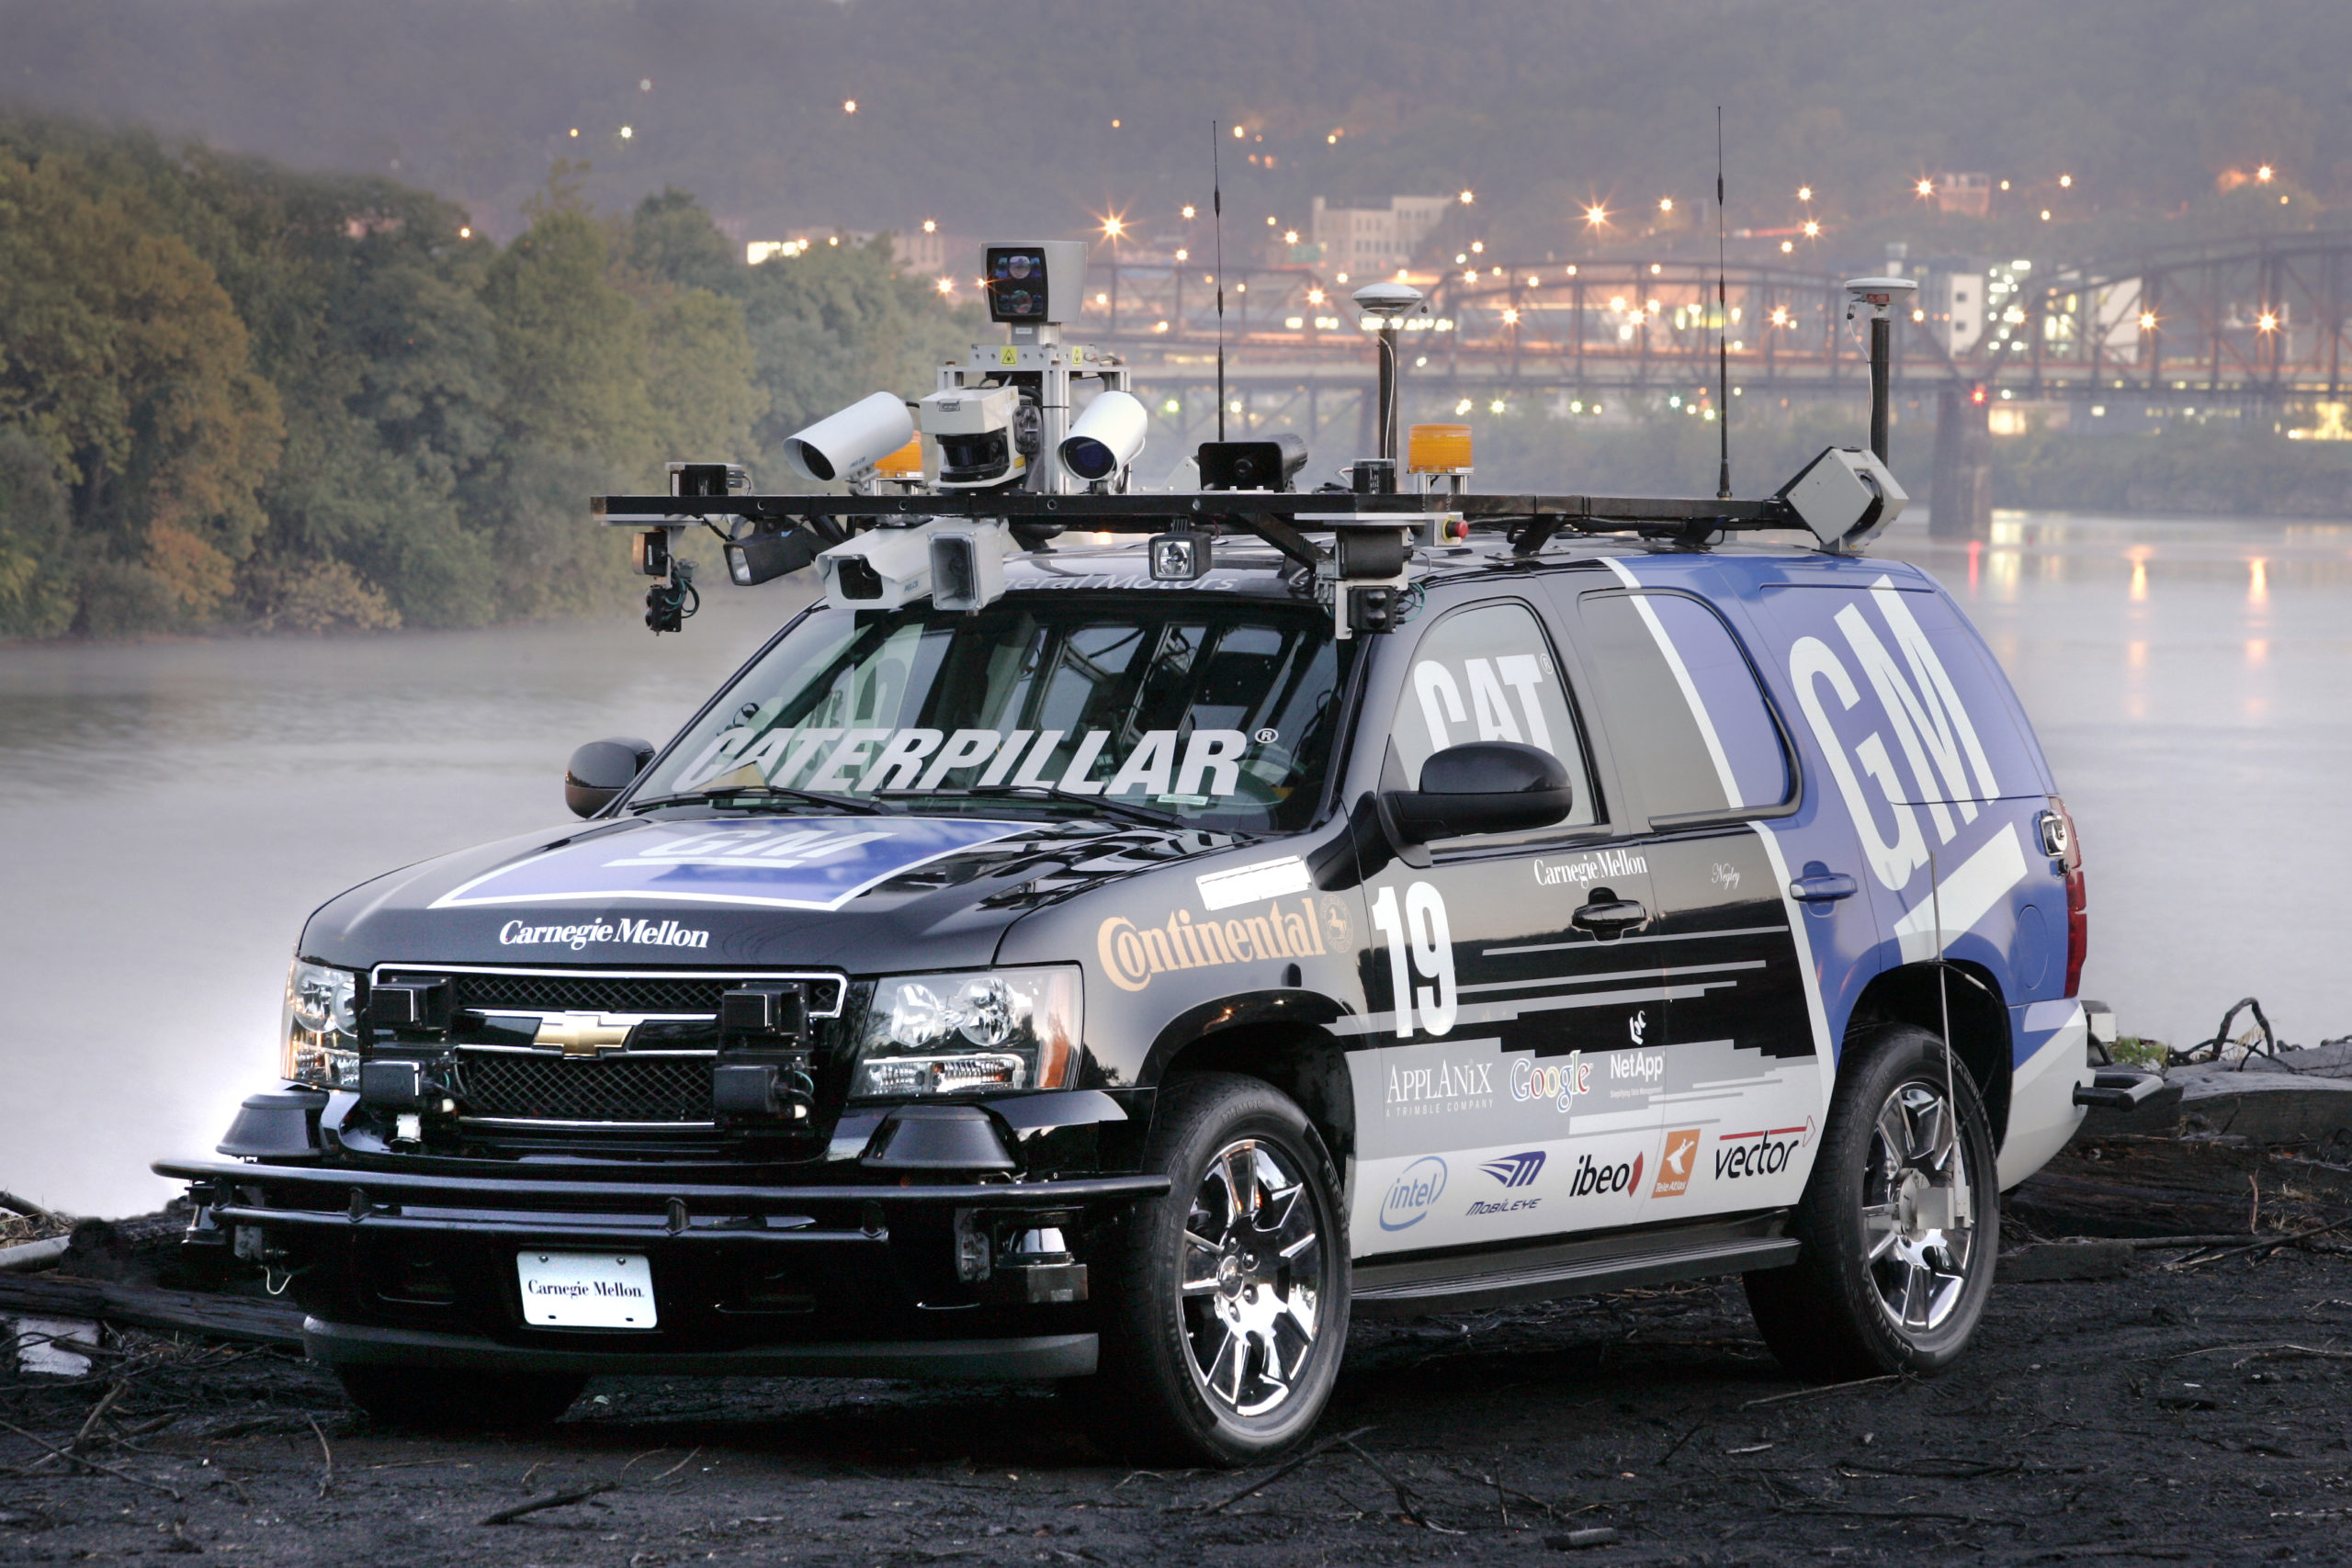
point(945, 1279)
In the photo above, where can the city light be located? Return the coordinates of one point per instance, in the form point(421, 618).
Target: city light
point(2065, 181)
point(575, 131)
point(1511, 316)
point(2267, 322)
point(1316, 296)
point(2045, 215)
point(1290, 236)
point(1477, 247)
point(1780, 315)
point(849, 105)
point(1926, 187)
point(627, 131)
point(1460, 256)
point(1812, 230)
point(1666, 204)
point(948, 286)
point(1532, 280)
point(1471, 276)
point(1115, 125)
point(2147, 320)
point(1805, 193)
point(1113, 227)
point(931, 226)
point(1657, 267)
point(1495, 407)
point(1468, 197)
point(1787, 246)
point(1237, 133)
point(1183, 255)
point(2263, 173)
point(1332, 140)
point(1596, 216)
point(1188, 210)
point(1162, 327)
point(466, 233)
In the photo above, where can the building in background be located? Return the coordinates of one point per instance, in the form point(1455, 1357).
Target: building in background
point(1372, 242)
point(1969, 195)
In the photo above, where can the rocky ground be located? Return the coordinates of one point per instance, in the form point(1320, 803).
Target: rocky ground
point(2176, 1411)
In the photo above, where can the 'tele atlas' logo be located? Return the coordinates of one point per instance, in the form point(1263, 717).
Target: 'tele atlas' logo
point(1675, 1166)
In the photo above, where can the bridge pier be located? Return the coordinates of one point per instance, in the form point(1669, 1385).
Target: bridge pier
point(1960, 491)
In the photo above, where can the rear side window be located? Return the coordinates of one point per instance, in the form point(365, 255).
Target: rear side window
point(1488, 673)
point(1685, 714)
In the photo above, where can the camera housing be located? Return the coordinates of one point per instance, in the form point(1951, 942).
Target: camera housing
point(1107, 437)
point(979, 435)
point(847, 446)
point(1270, 463)
point(1846, 496)
point(967, 565)
point(1034, 283)
point(879, 570)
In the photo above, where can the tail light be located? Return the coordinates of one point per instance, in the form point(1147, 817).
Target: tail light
point(2059, 843)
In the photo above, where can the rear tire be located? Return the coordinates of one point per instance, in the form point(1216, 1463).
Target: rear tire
point(438, 1399)
point(1226, 1310)
point(1900, 1220)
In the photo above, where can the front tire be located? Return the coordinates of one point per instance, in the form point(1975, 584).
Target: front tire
point(437, 1399)
point(1227, 1309)
point(1900, 1220)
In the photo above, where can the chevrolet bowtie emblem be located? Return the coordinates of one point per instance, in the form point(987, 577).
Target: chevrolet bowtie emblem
point(585, 1033)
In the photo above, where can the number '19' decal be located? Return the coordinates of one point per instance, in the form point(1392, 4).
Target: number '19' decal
point(1425, 931)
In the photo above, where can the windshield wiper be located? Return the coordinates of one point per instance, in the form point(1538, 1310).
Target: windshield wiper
point(763, 792)
point(1043, 794)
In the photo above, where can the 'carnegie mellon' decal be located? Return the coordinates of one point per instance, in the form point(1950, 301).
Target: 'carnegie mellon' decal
point(1288, 928)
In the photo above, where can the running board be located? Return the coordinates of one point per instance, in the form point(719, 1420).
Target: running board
point(1464, 1283)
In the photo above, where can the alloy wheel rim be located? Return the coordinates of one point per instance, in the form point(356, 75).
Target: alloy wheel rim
point(1252, 1272)
point(1919, 1217)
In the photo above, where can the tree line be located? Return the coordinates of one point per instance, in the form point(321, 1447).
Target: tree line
point(234, 394)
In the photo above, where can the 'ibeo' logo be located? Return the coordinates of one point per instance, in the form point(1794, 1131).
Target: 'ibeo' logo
point(1594, 1176)
point(1411, 1196)
point(1559, 1082)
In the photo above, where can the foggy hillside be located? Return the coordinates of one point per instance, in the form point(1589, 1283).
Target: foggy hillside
point(982, 114)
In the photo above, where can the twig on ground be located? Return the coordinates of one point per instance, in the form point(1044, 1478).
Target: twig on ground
point(93, 1465)
point(1827, 1388)
point(326, 1454)
point(2272, 1245)
point(555, 1500)
point(678, 1467)
point(1404, 1493)
point(1276, 1473)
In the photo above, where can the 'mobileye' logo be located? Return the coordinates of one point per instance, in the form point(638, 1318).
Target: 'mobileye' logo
point(1516, 1170)
point(1559, 1082)
point(1415, 1191)
point(1765, 1153)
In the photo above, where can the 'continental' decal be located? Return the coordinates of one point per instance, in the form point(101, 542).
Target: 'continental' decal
point(1287, 928)
point(799, 863)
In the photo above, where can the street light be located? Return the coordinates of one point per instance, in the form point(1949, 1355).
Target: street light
point(1927, 188)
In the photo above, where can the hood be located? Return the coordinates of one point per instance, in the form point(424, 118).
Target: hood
point(866, 894)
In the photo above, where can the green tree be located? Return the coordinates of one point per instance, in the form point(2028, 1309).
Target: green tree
point(571, 344)
point(125, 362)
point(36, 578)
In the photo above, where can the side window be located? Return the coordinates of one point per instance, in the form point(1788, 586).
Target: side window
point(1685, 714)
point(1488, 673)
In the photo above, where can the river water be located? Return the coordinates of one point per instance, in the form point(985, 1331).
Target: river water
point(169, 812)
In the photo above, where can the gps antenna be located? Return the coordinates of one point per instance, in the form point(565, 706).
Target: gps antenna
point(1723, 327)
point(1216, 213)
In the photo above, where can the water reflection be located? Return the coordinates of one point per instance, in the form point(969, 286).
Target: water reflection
point(2188, 679)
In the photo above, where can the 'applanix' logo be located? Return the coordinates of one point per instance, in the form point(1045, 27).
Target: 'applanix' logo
point(1441, 1087)
point(640, 933)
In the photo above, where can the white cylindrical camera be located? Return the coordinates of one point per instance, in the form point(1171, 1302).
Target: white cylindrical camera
point(848, 444)
point(1107, 436)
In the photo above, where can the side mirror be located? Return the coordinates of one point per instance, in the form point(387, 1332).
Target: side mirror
point(1482, 787)
point(599, 771)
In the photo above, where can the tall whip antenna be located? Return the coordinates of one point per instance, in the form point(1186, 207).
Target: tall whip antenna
point(1217, 211)
point(1723, 327)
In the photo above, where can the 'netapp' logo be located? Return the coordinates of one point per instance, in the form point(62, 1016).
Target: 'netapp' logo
point(640, 933)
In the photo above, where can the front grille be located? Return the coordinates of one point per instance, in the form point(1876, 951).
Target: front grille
point(479, 992)
point(607, 1088)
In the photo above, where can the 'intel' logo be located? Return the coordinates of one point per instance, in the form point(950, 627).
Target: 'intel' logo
point(1415, 1190)
point(1516, 1170)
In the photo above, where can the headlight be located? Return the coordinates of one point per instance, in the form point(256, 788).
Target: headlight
point(321, 1045)
point(958, 1033)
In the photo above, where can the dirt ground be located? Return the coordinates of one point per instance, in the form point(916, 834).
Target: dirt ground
point(2195, 1415)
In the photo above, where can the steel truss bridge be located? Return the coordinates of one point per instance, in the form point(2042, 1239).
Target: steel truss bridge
point(2256, 324)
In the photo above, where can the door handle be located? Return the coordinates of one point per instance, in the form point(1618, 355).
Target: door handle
point(1825, 888)
point(1609, 918)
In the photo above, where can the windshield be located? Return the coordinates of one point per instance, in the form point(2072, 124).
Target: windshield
point(1218, 712)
